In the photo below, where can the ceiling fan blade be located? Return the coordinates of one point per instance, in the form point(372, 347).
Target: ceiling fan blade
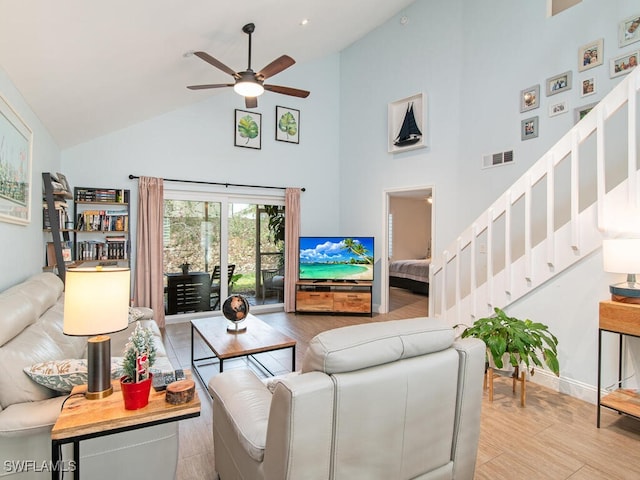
point(275, 67)
point(251, 102)
point(213, 85)
point(294, 92)
point(216, 63)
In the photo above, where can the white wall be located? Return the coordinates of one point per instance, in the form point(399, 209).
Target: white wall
point(21, 246)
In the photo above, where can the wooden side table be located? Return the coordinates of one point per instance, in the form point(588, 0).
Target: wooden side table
point(622, 319)
point(81, 419)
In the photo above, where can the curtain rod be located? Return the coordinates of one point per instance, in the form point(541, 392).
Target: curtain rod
point(131, 177)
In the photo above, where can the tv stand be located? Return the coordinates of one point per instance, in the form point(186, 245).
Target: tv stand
point(334, 297)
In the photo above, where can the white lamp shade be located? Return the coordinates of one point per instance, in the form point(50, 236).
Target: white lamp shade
point(96, 300)
point(621, 255)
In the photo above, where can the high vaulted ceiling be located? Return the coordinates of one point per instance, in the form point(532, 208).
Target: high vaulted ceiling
point(87, 68)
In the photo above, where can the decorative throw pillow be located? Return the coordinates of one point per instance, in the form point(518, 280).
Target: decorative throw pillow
point(63, 375)
point(135, 314)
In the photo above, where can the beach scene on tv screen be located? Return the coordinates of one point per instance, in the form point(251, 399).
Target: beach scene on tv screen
point(336, 258)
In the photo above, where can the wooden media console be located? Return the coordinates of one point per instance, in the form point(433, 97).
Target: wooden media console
point(334, 297)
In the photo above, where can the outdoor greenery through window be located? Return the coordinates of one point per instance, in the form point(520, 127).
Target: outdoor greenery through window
point(200, 233)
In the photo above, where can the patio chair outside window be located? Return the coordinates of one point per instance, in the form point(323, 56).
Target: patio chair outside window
point(273, 279)
point(215, 283)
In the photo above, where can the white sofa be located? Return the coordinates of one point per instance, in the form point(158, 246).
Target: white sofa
point(31, 316)
point(390, 400)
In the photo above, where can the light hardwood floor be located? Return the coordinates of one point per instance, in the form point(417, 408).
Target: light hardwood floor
point(553, 437)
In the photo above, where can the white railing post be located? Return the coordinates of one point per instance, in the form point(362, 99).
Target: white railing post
point(507, 243)
point(575, 190)
point(551, 247)
point(634, 201)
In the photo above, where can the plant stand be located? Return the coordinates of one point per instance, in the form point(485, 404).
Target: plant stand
point(516, 376)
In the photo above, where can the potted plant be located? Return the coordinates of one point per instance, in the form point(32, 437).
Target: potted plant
point(524, 341)
point(185, 267)
point(139, 357)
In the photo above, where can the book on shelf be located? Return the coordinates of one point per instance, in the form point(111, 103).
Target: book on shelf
point(61, 214)
point(103, 221)
point(105, 195)
point(51, 253)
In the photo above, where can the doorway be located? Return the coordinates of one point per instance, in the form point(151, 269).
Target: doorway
point(408, 244)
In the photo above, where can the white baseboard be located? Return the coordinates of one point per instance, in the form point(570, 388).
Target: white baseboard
point(568, 386)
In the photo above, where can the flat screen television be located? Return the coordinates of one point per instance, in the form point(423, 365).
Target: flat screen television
point(336, 258)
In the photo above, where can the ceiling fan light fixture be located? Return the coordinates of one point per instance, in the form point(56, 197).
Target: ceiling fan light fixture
point(248, 88)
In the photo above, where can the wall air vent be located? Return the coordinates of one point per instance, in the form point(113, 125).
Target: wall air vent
point(497, 159)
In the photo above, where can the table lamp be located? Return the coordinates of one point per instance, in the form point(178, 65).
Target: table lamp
point(622, 255)
point(96, 302)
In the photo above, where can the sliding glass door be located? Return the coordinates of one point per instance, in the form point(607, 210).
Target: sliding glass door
point(233, 237)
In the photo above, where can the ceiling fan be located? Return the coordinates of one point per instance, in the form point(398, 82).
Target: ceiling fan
point(248, 83)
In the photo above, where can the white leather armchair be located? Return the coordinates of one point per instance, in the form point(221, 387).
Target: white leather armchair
point(389, 400)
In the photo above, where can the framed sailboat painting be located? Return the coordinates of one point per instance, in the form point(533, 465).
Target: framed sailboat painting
point(407, 124)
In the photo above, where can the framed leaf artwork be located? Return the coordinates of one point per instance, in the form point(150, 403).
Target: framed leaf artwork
point(248, 129)
point(287, 125)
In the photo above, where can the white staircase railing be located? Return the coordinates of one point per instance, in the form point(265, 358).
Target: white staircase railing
point(550, 218)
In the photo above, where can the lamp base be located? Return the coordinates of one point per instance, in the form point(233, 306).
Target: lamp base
point(625, 292)
point(99, 368)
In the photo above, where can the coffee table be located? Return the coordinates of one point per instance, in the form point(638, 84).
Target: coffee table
point(258, 337)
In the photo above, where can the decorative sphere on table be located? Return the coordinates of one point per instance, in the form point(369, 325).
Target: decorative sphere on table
point(235, 308)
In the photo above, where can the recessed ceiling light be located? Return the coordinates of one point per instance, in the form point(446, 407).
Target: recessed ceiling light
point(304, 21)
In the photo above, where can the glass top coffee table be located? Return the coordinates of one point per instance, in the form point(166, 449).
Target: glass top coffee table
point(258, 337)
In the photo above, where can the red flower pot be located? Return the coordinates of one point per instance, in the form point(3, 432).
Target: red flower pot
point(135, 395)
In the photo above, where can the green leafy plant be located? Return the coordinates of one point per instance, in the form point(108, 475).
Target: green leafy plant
point(248, 128)
point(522, 340)
point(276, 222)
point(139, 355)
point(287, 124)
point(234, 279)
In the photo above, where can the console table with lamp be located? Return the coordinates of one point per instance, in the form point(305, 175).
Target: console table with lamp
point(620, 316)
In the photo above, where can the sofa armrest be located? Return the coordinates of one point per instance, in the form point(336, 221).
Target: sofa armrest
point(30, 418)
point(300, 428)
point(244, 401)
point(472, 354)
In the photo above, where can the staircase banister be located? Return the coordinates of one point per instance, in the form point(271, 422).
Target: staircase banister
point(625, 93)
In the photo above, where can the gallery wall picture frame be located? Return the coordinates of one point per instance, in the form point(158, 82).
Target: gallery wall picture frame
point(16, 139)
point(247, 129)
point(529, 128)
point(623, 64)
point(287, 124)
point(558, 108)
point(530, 98)
point(591, 55)
point(581, 112)
point(588, 86)
point(629, 30)
point(559, 83)
point(407, 124)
